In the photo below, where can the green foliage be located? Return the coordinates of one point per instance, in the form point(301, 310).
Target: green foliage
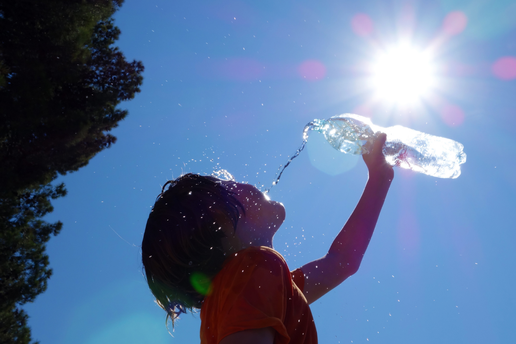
point(23, 263)
point(61, 80)
point(13, 326)
point(64, 82)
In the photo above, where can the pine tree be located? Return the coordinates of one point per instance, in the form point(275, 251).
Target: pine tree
point(61, 80)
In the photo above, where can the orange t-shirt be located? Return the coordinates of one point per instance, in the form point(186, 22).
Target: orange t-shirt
point(255, 289)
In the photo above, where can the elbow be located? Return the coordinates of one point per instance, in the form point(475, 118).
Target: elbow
point(347, 270)
point(348, 265)
point(351, 267)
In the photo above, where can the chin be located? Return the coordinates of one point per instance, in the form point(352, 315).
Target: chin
point(280, 212)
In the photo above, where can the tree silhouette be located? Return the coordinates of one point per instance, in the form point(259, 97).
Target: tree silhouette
point(61, 80)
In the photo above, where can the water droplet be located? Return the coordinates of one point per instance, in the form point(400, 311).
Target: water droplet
point(223, 174)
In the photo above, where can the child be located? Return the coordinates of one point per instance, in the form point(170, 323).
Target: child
point(208, 245)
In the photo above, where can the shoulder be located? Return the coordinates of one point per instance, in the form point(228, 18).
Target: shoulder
point(260, 255)
point(256, 259)
point(261, 252)
point(251, 274)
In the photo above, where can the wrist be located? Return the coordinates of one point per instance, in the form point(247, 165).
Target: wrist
point(381, 176)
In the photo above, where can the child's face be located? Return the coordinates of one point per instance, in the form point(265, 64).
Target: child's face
point(262, 218)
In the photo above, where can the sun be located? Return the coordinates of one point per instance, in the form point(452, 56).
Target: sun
point(402, 75)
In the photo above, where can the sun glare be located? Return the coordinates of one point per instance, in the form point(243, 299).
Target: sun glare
point(402, 75)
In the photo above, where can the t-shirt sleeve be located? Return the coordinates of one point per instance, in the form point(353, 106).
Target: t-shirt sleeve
point(256, 296)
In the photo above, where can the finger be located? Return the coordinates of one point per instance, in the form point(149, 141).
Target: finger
point(379, 141)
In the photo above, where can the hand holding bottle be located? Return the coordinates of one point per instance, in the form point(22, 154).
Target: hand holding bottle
point(375, 160)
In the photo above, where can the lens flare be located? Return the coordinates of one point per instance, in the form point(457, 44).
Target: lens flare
point(454, 23)
point(505, 68)
point(362, 24)
point(312, 70)
point(452, 115)
point(200, 282)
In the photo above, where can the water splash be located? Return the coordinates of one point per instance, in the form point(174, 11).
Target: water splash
point(223, 175)
point(308, 127)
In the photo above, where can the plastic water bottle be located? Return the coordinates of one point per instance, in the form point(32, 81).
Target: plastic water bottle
point(406, 148)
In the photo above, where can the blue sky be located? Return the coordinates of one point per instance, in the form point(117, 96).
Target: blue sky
point(231, 84)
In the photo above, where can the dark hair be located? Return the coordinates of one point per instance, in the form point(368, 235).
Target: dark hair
point(181, 247)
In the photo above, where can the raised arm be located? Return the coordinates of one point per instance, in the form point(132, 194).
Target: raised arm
point(348, 248)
